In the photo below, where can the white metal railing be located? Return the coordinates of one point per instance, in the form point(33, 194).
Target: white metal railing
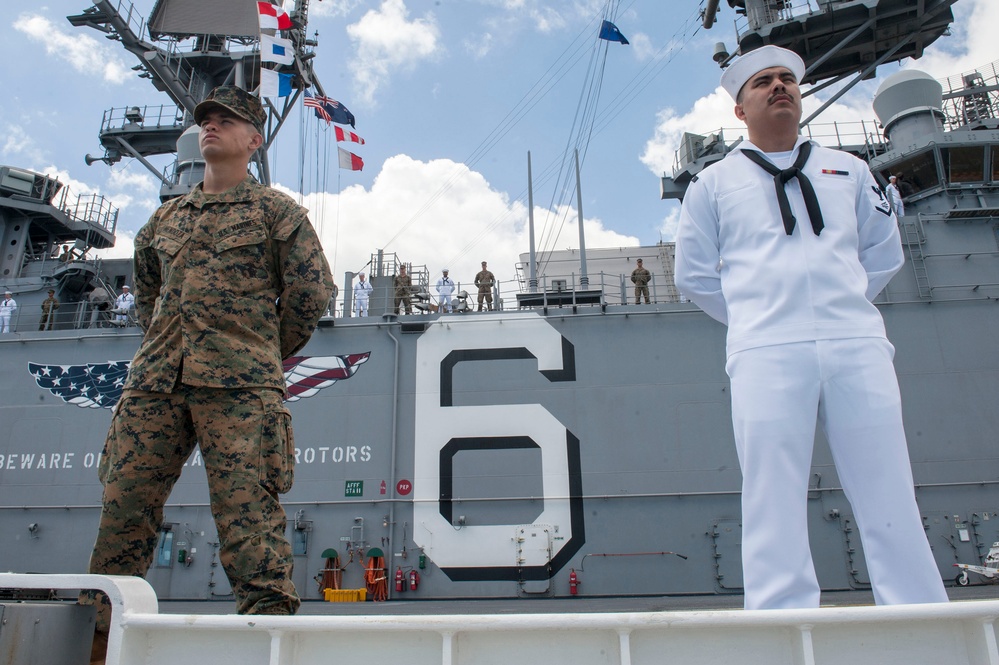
point(840, 135)
point(71, 315)
point(775, 11)
point(958, 633)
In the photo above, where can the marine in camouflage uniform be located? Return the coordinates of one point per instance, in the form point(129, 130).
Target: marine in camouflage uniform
point(229, 284)
point(640, 276)
point(485, 280)
point(49, 306)
point(403, 289)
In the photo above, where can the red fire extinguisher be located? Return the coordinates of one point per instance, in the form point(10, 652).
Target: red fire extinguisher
point(573, 582)
point(414, 580)
point(399, 586)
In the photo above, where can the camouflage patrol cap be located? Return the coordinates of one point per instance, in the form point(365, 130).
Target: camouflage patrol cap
point(235, 100)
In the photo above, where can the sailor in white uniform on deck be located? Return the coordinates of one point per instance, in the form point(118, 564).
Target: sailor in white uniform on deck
point(787, 243)
point(8, 306)
point(362, 290)
point(445, 287)
point(894, 197)
point(123, 305)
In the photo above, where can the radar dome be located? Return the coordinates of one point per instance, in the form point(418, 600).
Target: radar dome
point(908, 104)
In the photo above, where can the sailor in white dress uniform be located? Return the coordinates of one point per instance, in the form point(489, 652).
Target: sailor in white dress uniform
point(362, 291)
point(787, 243)
point(445, 287)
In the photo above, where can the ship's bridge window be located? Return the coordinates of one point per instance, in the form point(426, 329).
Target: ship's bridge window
point(915, 174)
point(964, 164)
point(994, 175)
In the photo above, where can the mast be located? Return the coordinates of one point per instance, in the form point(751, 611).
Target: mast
point(839, 40)
point(186, 50)
point(584, 279)
point(533, 283)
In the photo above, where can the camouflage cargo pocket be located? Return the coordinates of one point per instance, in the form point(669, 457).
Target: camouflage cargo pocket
point(277, 446)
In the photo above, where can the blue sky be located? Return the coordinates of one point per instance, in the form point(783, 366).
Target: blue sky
point(449, 96)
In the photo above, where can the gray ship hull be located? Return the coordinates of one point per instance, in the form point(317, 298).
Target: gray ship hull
point(496, 454)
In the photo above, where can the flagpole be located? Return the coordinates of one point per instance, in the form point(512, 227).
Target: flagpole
point(584, 280)
point(336, 231)
point(533, 283)
point(301, 156)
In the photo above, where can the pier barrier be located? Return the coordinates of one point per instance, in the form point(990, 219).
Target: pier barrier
point(957, 633)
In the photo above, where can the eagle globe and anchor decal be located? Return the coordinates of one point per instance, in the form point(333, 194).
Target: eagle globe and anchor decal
point(442, 431)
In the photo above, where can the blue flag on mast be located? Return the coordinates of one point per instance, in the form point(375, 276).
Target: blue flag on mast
point(610, 32)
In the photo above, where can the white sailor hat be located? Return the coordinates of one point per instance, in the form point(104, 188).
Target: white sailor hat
point(745, 66)
point(126, 286)
point(444, 270)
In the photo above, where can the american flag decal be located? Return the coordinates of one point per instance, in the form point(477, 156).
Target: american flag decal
point(305, 376)
point(91, 386)
point(99, 385)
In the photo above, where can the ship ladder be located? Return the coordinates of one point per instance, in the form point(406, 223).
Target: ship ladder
point(913, 239)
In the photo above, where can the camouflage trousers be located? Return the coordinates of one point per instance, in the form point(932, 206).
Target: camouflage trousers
point(249, 454)
point(486, 294)
point(639, 292)
point(402, 298)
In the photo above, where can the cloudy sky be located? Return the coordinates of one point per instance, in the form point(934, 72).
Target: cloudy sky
point(449, 96)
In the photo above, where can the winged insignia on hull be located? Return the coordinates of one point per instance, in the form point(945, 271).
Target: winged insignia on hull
point(99, 385)
point(305, 376)
point(91, 386)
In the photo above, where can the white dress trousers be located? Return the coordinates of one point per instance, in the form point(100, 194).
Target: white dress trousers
point(849, 387)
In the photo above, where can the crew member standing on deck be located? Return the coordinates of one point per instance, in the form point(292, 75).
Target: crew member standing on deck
point(8, 307)
point(49, 307)
point(123, 305)
point(231, 280)
point(485, 280)
point(403, 290)
point(362, 291)
point(894, 197)
point(445, 287)
point(640, 277)
point(787, 243)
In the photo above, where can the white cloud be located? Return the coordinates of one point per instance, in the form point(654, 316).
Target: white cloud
point(124, 247)
point(136, 194)
point(972, 44)
point(480, 46)
point(667, 229)
point(125, 179)
point(490, 226)
point(19, 146)
point(949, 56)
point(76, 187)
point(84, 53)
point(547, 19)
point(333, 8)
point(387, 41)
point(708, 114)
point(642, 46)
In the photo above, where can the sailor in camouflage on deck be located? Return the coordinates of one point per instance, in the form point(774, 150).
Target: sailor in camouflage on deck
point(231, 279)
